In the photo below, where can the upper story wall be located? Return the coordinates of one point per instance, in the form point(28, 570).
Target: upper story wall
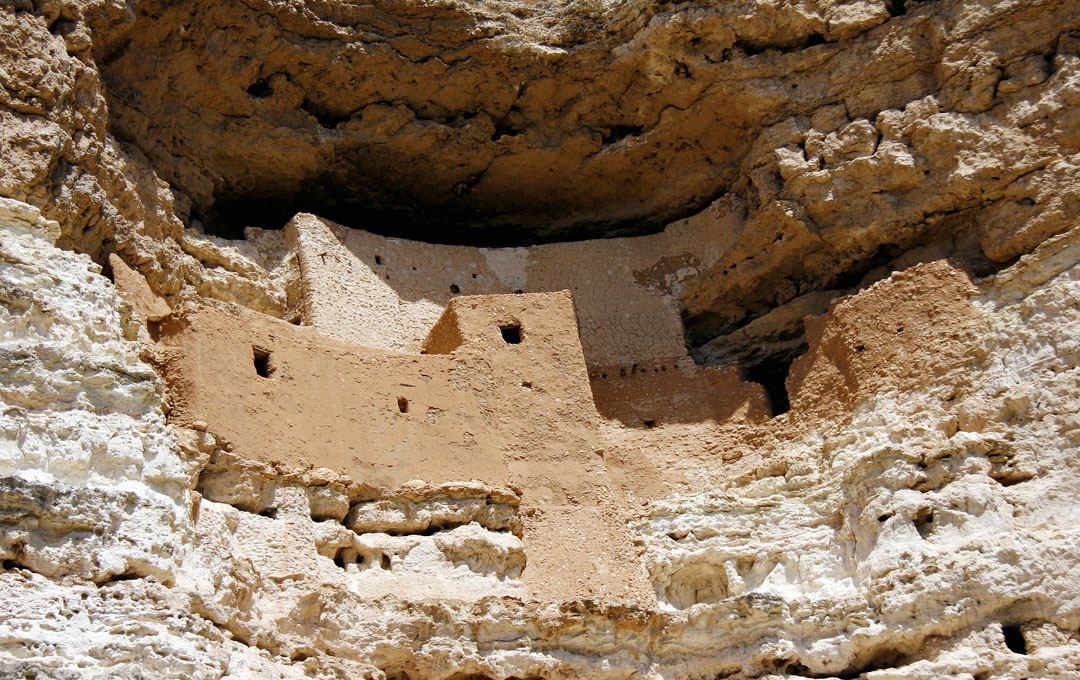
point(386, 292)
point(284, 393)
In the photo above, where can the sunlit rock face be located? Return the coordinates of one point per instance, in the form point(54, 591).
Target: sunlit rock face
point(809, 409)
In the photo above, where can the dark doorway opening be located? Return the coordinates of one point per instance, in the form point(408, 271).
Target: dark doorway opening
point(262, 362)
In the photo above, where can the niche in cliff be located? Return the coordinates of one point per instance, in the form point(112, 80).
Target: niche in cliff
point(404, 217)
point(416, 122)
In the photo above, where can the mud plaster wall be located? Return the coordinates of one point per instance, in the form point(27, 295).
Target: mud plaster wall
point(652, 393)
point(386, 292)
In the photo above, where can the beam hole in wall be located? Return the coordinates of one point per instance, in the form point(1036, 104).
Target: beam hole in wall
point(263, 367)
point(384, 562)
point(454, 289)
point(403, 405)
point(378, 259)
point(649, 423)
point(511, 334)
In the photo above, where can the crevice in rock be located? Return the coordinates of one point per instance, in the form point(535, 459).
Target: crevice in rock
point(618, 133)
point(129, 575)
point(924, 522)
point(1008, 477)
point(14, 563)
point(437, 528)
point(116, 52)
point(896, 7)
point(347, 556)
point(508, 126)
point(260, 89)
point(326, 118)
point(749, 48)
point(1014, 639)
point(881, 659)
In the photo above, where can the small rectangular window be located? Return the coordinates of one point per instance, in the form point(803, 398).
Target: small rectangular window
point(511, 334)
point(262, 362)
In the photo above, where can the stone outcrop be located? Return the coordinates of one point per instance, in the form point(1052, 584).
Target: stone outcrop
point(684, 340)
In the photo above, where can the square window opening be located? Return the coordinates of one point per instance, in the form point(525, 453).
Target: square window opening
point(511, 334)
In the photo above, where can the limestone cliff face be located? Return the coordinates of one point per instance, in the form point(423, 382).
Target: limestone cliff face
point(933, 535)
point(869, 207)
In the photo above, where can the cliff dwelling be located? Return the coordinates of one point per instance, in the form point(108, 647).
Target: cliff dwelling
point(485, 340)
point(523, 377)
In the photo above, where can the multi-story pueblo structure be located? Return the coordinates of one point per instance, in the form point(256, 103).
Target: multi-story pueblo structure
point(540, 341)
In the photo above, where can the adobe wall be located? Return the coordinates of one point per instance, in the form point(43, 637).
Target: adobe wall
point(650, 394)
point(583, 447)
point(386, 292)
point(382, 416)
